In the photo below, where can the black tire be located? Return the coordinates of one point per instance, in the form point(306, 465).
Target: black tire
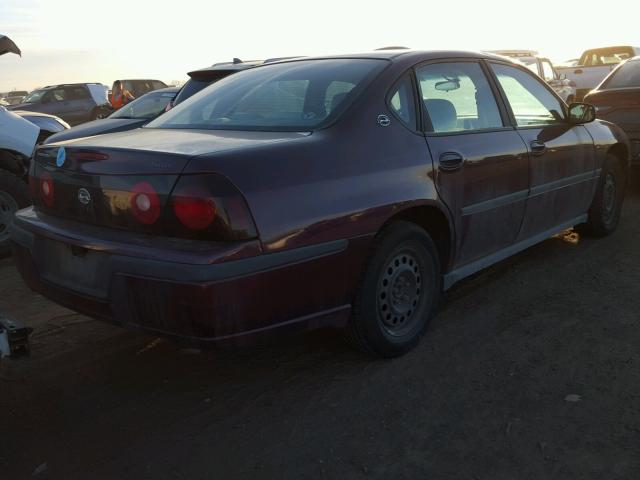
point(14, 194)
point(99, 113)
point(398, 293)
point(604, 213)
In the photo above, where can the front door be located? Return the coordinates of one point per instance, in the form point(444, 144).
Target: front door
point(482, 164)
point(563, 176)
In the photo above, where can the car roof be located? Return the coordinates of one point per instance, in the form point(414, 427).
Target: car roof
point(403, 53)
point(48, 87)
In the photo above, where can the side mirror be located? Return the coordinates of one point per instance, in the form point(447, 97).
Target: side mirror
point(580, 113)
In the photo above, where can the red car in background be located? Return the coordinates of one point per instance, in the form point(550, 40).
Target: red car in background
point(617, 99)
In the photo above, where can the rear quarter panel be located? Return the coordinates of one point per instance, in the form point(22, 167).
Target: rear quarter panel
point(344, 181)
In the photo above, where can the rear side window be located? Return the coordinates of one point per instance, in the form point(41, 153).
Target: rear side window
point(457, 97)
point(531, 102)
point(628, 75)
point(77, 93)
point(402, 102)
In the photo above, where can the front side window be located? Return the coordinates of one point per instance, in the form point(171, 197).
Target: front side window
point(457, 97)
point(56, 95)
point(531, 102)
point(547, 71)
point(402, 102)
point(628, 75)
point(301, 95)
point(34, 97)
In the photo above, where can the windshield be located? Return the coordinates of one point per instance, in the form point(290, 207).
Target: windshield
point(146, 107)
point(34, 97)
point(628, 75)
point(293, 96)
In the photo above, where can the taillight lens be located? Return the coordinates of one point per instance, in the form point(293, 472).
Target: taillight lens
point(194, 207)
point(145, 203)
point(210, 207)
point(47, 189)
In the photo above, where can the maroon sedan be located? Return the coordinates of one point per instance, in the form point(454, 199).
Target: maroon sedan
point(617, 99)
point(345, 192)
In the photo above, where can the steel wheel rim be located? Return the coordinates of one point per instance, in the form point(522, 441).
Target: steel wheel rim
point(8, 206)
point(609, 195)
point(400, 291)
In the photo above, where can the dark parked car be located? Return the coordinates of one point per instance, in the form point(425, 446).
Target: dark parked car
point(342, 191)
point(74, 102)
point(132, 115)
point(617, 99)
point(124, 90)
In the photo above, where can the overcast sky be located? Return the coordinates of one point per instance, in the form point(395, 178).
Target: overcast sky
point(99, 41)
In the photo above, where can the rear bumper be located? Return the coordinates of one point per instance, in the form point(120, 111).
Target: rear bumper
point(201, 296)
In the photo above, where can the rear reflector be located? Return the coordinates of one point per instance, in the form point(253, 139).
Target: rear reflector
point(47, 189)
point(144, 203)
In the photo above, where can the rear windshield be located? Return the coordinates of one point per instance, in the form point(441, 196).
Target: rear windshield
point(146, 107)
point(606, 56)
point(628, 75)
point(291, 96)
point(194, 85)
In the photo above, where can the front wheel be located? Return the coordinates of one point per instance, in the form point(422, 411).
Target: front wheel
point(604, 213)
point(398, 293)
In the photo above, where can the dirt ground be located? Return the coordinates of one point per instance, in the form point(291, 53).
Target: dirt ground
point(530, 371)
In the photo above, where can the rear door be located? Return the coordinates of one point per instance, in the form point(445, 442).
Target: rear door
point(80, 104)
point(482, 163)
point(562, 167)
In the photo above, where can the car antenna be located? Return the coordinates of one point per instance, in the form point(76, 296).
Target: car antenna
point(236, 60)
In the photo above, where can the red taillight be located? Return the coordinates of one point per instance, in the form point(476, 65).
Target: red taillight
point(194, 207)
point(47, 189)
point(144, 203)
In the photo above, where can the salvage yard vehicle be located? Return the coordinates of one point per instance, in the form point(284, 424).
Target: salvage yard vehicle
point(343, 191)
point(594, 65)
point(617, 99)
point(133, 115)
point(543, 67)
point(14, 97)
point(75, 103)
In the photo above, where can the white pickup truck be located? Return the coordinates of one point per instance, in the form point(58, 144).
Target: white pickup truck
point(594, 65)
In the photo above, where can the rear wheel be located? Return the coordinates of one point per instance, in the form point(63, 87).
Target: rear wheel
point(604, 213)
point(398, 294)
point(14, 194)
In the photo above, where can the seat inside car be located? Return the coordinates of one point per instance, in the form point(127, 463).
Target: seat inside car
point(443, 115)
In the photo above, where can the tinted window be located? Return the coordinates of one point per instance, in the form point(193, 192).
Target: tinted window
point(531, 102)
point(457, 97)
point(76, 93)
point(146, 107)
point(55, 95)
point(300, 95)
point(402, 102)
point(628, 75)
